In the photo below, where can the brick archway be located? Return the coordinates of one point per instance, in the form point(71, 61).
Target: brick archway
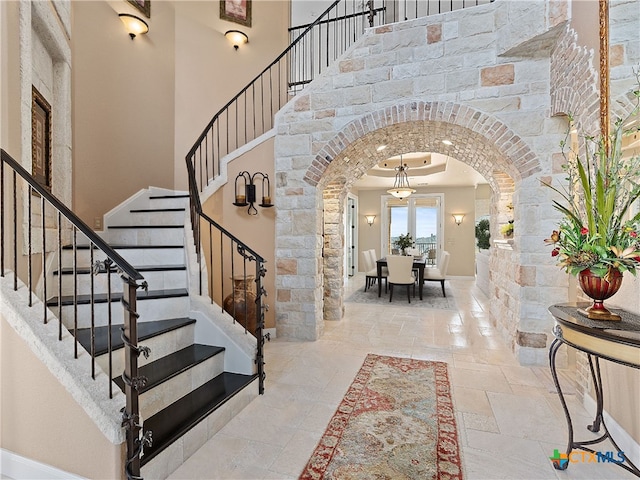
point(481, 141)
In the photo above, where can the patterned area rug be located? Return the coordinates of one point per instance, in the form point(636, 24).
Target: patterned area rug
point(431, 297)
point(396, 421)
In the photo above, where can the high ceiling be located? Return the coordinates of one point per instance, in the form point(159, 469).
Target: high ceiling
point(432, 169)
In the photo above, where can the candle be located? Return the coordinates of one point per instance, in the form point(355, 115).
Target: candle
point(266, 200)
point(241, 199)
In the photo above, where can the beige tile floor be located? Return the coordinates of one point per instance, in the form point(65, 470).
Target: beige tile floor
point(509, 417)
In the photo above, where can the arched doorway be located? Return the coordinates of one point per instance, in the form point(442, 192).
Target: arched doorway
point(483, 142)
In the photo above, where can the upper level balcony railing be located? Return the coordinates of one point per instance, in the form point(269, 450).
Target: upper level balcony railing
point(313, 48)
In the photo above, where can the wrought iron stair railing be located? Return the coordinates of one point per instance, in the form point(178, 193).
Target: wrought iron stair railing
point(28, 210)
point(313, 48)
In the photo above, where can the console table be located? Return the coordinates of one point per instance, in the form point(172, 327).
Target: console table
point(615, 341)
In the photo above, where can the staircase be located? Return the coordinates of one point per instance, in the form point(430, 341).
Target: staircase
point(188, 394)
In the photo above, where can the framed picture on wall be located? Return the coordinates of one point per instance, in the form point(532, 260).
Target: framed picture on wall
point(143, 5)
point(238, 11)
point(40, 138)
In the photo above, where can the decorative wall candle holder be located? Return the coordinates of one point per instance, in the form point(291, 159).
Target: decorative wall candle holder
point(248, 197)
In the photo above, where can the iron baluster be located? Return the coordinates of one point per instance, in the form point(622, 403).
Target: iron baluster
point(93, 314)
point(131, 352)
point(15, 235)
point(75, 293)
point(44, 277)
point(30, 253)
point(107, 265)
point(59, 276)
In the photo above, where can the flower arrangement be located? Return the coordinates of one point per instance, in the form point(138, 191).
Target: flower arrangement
point(404, 241)
point(507, 229)
point(596, 232)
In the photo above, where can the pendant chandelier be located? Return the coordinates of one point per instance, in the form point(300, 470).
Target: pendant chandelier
point(401, 187)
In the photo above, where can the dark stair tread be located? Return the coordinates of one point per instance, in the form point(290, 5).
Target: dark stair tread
point(167, 367)
point(146, 330)
point(142, 268)
point(116, 297)
point(123, 247)
point(155, 210)
point(124, 227)
point(158, 197)
point(175, 420)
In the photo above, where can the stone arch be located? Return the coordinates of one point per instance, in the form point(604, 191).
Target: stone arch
point(520, 160)
point(483, 142)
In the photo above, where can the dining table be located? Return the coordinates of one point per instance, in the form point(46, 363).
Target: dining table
point(419, 262)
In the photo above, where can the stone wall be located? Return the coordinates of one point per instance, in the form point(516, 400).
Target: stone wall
point(408, 86)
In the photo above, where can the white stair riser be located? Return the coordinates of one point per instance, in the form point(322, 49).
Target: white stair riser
point(163, 395)
point(155, 309)
point(156, 280)
point(171, 458)
point(135, 256)
point(169, 203)
point(160, 345)
point(147, 236)
point(152, 218)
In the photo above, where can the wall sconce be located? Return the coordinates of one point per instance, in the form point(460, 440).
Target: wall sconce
point(134, 25)
point(248, 197)
point(236, 37)
point(370, 219)
point(458, 218)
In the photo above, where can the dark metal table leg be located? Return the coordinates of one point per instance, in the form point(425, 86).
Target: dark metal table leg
point(597, 386)
point(553, 350)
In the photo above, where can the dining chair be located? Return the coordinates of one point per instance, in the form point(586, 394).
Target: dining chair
point(374, 269)
point(439, 273)
point(400, 273)
point(366, 263)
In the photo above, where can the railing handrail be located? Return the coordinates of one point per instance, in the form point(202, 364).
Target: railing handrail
point(125, 266)
point(257, 77)
point(131, 278)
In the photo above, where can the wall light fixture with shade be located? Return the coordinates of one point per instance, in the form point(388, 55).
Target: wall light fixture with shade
point(401, 187)
point(134, 25)
point(370, 219)
point(458, 217)
point(248, 196)
point(236, 37)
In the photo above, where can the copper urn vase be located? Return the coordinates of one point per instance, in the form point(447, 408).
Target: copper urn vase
point(241, 304)
point(599, 289)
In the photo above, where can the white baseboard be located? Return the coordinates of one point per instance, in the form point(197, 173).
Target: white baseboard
point(625, 441)
point(18, 467)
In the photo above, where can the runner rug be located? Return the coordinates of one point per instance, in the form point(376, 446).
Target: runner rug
point(396, 421)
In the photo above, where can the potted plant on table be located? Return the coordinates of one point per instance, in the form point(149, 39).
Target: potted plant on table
point(597, 239)
point(403, 242)
point(507, 229)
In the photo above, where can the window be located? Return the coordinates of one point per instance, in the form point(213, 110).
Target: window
point(419, 215)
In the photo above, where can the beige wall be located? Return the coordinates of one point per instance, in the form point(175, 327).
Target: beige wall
point(458, 240)
point(584, 20)
point(206, 79)
point(139, 105)
point(41, 421)
point(257, 231)
point(9, 79)
point(122, 106)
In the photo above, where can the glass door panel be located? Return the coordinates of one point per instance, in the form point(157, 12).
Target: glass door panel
point(398, 223)
point(419, 215)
